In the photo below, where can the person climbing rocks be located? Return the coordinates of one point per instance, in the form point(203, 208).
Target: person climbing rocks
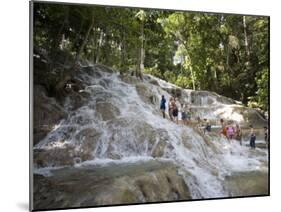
point(183, 114)
point(188, 115)
point(266, 136)
point(170, 108)
point(252, 137)
point(223, 128)
point(163, 105)
point(238, 133)
point(230, 132)
point(175, 112)
point(207, 126)
point(222, 122)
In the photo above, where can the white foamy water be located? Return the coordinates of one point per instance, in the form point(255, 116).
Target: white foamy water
point(138, 131)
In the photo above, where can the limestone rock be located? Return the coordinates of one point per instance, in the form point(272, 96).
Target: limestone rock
point(47, 113)
point(107, 111)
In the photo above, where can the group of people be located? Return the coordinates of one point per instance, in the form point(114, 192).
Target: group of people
point(231, 131)
point(180, 113)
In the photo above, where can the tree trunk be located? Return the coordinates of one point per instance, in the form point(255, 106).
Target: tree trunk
point(106, 40)
point(85, 40)
point(123, 52)
point(140, 63)
point(99, 43)
point(246, 37)
point(192, 74)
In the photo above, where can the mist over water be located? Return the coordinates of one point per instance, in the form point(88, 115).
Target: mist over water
point(119, 122)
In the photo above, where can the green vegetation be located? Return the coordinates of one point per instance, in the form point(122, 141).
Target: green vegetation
point(224, 53)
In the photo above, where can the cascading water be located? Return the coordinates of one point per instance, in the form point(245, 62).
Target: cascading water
point(119, 122)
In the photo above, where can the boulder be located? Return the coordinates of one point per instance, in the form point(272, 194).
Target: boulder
point(47, 113)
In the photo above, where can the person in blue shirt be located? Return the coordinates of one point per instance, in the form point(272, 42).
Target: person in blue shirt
point(163, 105)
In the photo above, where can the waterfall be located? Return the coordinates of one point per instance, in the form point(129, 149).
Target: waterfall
point(119, 122)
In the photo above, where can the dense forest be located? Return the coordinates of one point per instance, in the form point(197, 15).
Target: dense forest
point(227, 54)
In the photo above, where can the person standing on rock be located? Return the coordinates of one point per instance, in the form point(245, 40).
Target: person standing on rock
point(238, 133)
point(163, 105)
point(175, 112)
point(252, 137)
point(183, 114)
point(188, 115)
point(207, 126)
point(170, 108)
point(223, 128)
point(230, 131)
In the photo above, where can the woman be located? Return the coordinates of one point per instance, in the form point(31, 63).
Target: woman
point(230, 132)
point(170, 108)
point(238, 134)
point(175, 111)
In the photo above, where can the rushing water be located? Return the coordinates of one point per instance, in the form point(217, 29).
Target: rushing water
point(117, 124)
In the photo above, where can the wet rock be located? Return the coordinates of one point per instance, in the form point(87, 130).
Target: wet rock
point(105, 83)
point(117, 184)
point(159, 148)
point(91, 71)
point(129, 79)
point(175, 91)
point(254, 117)
point(54, 157)
point(107, 111)
point(47, 113)
point(146, 95)
point(88, 139)
point(103, 68)
point(247, 183)
point(154, 82)
point(77, 100)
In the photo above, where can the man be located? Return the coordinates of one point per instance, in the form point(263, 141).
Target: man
point(163, 105)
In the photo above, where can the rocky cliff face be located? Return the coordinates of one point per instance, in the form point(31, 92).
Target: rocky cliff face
point(111, 119)
point(152, 181)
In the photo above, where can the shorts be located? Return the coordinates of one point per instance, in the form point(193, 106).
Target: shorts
point(175, 113)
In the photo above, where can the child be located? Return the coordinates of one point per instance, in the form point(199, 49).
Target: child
point(230, 132)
